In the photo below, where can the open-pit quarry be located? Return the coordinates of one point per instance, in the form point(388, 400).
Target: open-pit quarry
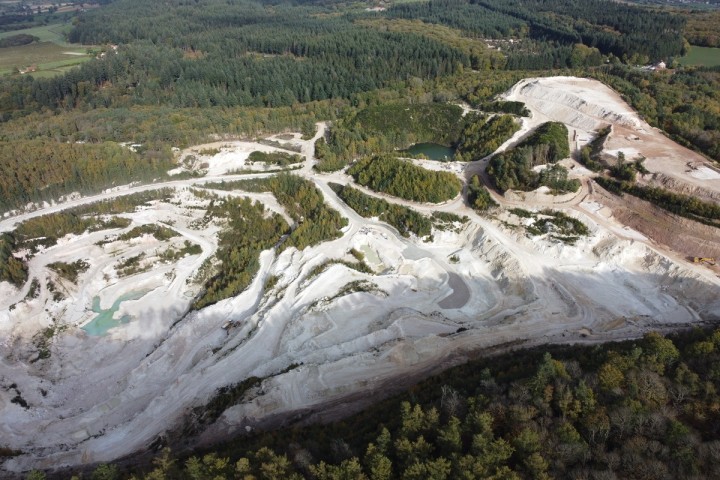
point(119, 360)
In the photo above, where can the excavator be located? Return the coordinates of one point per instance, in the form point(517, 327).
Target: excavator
point(708, 260)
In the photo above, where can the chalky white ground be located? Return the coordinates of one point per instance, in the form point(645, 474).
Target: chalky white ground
point(112, 395)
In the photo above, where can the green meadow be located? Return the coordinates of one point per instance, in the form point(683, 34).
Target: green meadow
point(705, 56)
point(52, 55)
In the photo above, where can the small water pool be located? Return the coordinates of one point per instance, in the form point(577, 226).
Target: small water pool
point(433, 151)
point(104, 321)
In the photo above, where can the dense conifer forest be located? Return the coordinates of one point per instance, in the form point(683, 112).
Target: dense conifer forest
point(185, 70)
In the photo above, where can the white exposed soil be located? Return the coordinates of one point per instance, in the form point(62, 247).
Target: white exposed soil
point(97, 398)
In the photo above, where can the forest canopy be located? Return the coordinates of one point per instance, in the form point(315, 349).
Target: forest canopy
point(401, 178)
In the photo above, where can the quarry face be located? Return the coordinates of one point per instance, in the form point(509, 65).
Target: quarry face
point(120, 360)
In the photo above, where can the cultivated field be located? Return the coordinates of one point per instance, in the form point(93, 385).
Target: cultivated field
point(52, 55)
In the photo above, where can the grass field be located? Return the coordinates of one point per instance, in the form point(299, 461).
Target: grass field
point(47, 56)
point(54, 33)
point(705, 56)
point(52, 54)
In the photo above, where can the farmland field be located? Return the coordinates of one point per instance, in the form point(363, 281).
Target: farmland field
point(48, 57)
point(705, 56)
point(52, 54)
point(48, 33)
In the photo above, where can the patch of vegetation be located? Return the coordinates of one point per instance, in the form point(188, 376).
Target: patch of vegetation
point(19, 400)
point(404, 219)
point(43, 341)
point(11, 269)
point(478, 196)
point(47, 229)
point(125, 203)
point(57, 295)
point(160, 232)
point(271, 281)
point(403, 179)
point(316, 222)
point(308, 133)
point(513, 170)
point(448, 217)
point(172, 254)
point(590, 153)
point(132, 265)
point(447, 221)
point(17, 40)
point(679, 204)
point(385, 128)
point(34, 290)
point(280, 159)
point(364, 286)
point(360, 266)
point(559, 225)
point(555, 177)
point(556, 224)
point(521, 212)
point(513, 108)
point(70, 271)
point(223, 398)
point(209, 152)
point(549, 143)
point(483, 135)
point(249, 231)
point(627, 171)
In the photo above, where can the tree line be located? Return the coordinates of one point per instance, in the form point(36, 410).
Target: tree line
point(42, 169)
point(404, 219)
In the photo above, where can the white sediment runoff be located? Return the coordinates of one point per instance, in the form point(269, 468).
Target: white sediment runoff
point(428, 304)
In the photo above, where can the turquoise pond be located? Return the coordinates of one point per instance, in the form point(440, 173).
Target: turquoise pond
point(100, 325)
point(433, 151)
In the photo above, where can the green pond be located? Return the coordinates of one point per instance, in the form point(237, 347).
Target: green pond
point(433, 151)
point(100, 325)
point(705, 56)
